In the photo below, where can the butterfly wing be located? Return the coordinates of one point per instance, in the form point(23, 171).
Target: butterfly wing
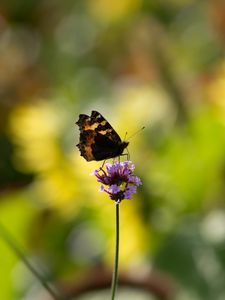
point(98, 140)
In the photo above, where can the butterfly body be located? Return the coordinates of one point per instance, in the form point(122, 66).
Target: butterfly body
point(98, 140)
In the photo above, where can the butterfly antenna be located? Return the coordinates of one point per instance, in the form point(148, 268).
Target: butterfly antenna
point(135, 133)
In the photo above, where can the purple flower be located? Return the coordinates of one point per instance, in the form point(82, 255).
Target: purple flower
point(119, 180)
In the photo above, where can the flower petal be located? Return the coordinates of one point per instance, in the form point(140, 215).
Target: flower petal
point(114, 189)
point(101, 189)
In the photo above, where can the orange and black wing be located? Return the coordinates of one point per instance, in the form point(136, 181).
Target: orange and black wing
point(98, 140)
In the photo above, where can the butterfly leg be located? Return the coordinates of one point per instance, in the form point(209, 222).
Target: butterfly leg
point(103, 164)
point(126, 154)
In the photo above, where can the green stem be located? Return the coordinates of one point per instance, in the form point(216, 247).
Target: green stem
point(116, 260)
point(6, 236)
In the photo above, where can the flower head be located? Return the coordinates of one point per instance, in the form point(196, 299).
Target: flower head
point(118, 180)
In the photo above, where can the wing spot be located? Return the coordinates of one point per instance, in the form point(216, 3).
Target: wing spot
point(104, 132)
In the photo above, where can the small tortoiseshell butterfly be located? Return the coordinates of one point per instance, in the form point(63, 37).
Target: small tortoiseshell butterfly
point(98, 140)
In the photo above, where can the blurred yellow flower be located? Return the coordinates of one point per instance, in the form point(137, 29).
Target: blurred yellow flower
point(113, 11)
point(216, 90)
point(35, 129)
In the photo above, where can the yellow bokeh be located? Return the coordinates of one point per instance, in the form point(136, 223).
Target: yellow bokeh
point(35, 129)
point(113, 11)
point(216, 90)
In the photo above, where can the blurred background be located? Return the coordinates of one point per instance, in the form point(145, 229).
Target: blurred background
point(158, 64)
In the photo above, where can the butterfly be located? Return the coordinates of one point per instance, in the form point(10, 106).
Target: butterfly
point(98, 140)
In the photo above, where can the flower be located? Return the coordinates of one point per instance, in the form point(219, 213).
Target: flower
point(119, 180)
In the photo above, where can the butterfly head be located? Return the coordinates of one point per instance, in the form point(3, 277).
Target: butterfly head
point(124, 145)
